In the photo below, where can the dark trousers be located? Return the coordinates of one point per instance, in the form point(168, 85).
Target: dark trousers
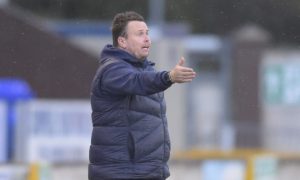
point(142, 179)
point(138, 179)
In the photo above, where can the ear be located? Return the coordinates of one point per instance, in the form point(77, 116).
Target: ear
point(122, 42)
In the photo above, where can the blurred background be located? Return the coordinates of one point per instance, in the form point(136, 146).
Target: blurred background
point(238, 120)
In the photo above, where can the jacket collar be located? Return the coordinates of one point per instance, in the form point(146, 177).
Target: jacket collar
point(114, 52)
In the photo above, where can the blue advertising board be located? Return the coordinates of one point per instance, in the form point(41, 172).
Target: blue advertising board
point(11, 91)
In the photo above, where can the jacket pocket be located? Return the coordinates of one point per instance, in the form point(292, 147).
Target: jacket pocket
point(131, 146)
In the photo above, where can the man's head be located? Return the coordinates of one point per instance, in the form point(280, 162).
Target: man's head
point(130, 32)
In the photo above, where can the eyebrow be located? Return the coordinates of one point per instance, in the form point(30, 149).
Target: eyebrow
point(143, 30)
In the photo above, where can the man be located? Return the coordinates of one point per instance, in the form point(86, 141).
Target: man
point(130, 138)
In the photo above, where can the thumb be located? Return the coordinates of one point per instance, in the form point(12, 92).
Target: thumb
point(181, 61)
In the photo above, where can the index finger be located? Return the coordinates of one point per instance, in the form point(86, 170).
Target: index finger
point(186, 69)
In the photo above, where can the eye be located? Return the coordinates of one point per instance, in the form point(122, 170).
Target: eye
point(140, 33)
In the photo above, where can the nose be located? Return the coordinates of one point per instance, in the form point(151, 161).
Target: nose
point(147, 38)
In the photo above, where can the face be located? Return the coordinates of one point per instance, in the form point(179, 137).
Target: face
point(137, 42)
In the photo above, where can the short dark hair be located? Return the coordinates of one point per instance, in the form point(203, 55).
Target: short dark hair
point(120, 22)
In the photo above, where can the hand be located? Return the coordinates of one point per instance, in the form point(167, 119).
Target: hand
point(181, 74)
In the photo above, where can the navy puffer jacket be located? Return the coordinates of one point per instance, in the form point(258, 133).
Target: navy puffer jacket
point(130, 138)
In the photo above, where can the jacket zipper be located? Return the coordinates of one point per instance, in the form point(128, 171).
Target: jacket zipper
point(131, 145)
point(164, 129)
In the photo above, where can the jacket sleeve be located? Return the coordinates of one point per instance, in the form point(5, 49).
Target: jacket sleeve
point(121, 78)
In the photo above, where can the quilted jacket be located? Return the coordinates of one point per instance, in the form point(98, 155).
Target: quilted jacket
point(130, 138)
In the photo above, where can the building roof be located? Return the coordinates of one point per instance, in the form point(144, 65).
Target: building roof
point(52, 66)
